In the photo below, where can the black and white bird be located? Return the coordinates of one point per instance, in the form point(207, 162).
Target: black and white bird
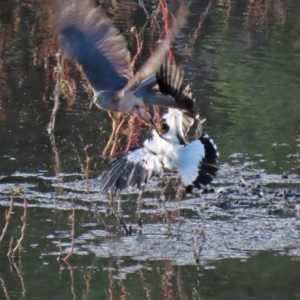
point(195, 161)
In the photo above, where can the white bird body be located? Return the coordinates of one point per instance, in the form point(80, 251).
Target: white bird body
point(159, 153)
point(173, 154)
point(169, 149)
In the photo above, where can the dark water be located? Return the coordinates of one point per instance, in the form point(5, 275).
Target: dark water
point(242, 58)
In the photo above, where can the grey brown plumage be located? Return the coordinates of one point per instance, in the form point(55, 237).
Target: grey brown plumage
point(89, 37)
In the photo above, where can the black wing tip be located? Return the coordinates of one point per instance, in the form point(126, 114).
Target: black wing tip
point(210, 148)
point(170, 79)
point(207, 167)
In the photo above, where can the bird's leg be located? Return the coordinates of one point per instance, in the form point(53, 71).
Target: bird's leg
point(115, 128)
point(114, 145)
point(144, 115)
point(155, 127)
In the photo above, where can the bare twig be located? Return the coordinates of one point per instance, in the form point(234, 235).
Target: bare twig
point(62, 87)
point(141, 2)
point(51, 124)
point(139, 45)
point(163, 6)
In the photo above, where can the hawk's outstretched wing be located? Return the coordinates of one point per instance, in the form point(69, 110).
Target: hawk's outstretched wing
point(87, 35)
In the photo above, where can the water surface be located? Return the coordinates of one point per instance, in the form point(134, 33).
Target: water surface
point(242, 59)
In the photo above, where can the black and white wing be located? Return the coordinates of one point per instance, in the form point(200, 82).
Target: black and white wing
point(133, 169)
point(207, 166)
point(170, 80)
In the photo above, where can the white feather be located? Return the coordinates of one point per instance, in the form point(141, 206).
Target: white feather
point(146, 159)
point(188, 161)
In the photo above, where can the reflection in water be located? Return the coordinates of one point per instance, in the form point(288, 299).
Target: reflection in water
point(154, 280)
point(242, 58)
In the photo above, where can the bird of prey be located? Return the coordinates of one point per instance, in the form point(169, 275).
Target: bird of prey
point(88, 36)
point(195, 161)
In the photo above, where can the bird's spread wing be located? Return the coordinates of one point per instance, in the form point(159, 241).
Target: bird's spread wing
point(170, 79)
point(156, 59)
point(88, 36)
point(133, 169)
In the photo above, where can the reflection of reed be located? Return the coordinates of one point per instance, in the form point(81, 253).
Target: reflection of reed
point(12, 252)
point(87, 277)
point(200, 23)
point(21, 279)
point(7, 218)
point(125, 294)
point(111, 287)
point(72, 219)
point(198, 240)
point(179, 284)
point(258, 13)
point(166, 282)
point(146, 285)
point(4, 289)
point(72, 281)
point(72, 289)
